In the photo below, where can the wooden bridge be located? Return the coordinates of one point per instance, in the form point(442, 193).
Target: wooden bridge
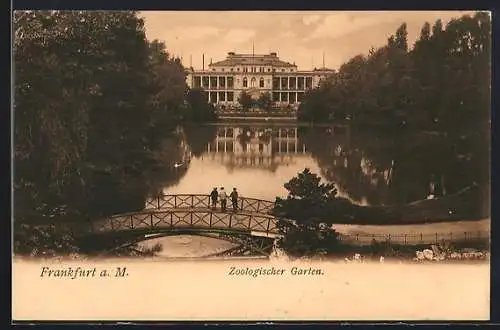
point(252, 225)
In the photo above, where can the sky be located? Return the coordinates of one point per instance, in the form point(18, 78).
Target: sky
point(297, 36)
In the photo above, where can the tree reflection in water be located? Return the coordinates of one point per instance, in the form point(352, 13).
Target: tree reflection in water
point(395, 168)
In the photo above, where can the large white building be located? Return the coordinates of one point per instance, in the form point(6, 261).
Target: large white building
point(255, 74)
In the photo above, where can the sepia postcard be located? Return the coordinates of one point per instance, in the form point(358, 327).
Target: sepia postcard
point(251, 166)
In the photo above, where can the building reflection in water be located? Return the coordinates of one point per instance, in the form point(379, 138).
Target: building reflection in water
point(260, 147)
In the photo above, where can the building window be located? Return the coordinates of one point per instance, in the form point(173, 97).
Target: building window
point(213, 69)
point(230, 83)
point(231, 69)
point(245, 82)
point(261, 82)
point(268, 69)
point(213, 82)
point(253, 82)
point(276, 96)
point(274, 70)
point(222, 69)
point(308, 82)
point(300, 96)
point(282, 70)
point(276, 83)
point(213, 97)
point(230, 96)
point(222, 82)
point(197, 81)
point(222, 97)
point(237, 69)
point(284, 83)
point(300, 83)
point(204, 81)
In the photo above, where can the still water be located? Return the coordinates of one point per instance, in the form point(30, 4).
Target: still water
point(368, 168)
point(255, 160)
point(374, 168)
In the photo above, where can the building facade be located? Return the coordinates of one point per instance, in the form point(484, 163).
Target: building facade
point(225, 80)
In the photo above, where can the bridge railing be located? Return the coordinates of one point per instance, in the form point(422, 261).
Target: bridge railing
point(160, 219)
point(197, 201)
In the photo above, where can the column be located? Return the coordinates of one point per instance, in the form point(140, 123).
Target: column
point(209, 83)
point(217, 144)
point(303, 148)
point(208, 147)
point(296, 140)
point(288, 83)
point(279, 139)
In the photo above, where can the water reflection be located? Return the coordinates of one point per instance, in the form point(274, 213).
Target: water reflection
point(369, 168)
point(183, 246)
point(256, 159)
point(258, 147)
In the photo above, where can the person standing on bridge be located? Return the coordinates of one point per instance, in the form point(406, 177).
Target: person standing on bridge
point(234, 199)
point(223, 199)
point(213, 196)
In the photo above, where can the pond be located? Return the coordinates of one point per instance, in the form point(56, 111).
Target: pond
point(368, 168)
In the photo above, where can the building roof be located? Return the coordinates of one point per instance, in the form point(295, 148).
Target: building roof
point(252, 59)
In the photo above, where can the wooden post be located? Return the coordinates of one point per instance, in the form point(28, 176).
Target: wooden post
point(131, 222)
point(210, 224)
point(405, 239)
point(230, 219)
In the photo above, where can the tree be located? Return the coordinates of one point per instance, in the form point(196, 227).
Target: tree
point(198, 109)
point(93, 98)
point(305, 218)
point(265, 101)
point(245, 100)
